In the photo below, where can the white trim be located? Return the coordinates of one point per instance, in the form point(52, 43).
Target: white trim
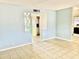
point(64, 39)
point(48, 39)
point(57, 38)
point(14, 47)
point(31, 43)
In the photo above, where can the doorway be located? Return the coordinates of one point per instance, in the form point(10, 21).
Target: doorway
point(36, 32)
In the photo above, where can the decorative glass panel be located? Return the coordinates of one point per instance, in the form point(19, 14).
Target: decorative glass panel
point(27, 21)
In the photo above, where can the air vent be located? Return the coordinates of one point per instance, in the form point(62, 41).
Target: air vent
point(35, 10)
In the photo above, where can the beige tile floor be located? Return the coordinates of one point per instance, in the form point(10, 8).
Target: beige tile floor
point(51, 49)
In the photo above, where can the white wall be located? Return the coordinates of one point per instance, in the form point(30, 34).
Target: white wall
point(64, 23)
point(12, 26)
point(50, 32)
point(59, 24)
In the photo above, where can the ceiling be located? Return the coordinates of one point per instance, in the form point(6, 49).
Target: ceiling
point(44, 4)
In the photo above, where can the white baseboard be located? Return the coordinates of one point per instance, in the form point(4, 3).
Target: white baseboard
point(57, 38)
point(48, 39)
point(31, 43)
point(64, 39)
point(5, 49)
